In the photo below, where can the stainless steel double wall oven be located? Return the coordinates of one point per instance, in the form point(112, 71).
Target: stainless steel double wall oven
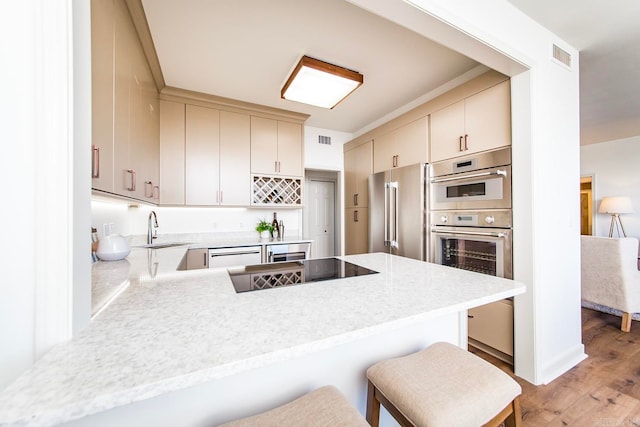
point(471, 220)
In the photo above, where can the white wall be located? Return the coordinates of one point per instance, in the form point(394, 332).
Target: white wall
point(614, 165)
point(321, 156)
point(545, 122)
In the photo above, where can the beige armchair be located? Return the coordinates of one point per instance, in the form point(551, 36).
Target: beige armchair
point(610, 275)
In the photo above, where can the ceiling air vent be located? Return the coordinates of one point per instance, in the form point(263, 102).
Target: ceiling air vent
point(326, 140)
point(562, 56)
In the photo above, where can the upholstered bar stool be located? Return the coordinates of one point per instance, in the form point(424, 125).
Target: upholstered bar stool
point(442, 386)
point(324, 407)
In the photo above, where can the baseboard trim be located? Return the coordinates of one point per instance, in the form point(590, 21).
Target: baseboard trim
point(562, 364)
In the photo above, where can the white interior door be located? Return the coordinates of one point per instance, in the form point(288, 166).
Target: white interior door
point(321, 217)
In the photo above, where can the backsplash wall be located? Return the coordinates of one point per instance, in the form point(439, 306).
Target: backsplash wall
point(132, 220)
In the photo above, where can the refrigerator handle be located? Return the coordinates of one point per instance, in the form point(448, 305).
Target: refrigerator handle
point(394, 240)
point(386, 214)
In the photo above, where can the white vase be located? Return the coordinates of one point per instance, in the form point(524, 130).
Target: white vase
point(265, 235)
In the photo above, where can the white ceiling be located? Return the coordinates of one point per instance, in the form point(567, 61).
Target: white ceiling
point(607, 34)
point(245, 49)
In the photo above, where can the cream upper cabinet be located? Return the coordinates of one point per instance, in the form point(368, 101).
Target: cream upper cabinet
point(276, 147)
point(356, 233)
point(478, 123)
point(401, 147)
point(172, 153)
point(205, 156)
point(126, 111)
point(202, 147)
point(357, 168)
point(235, 159)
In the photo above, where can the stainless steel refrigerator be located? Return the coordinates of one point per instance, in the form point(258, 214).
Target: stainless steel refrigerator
point(398, 211)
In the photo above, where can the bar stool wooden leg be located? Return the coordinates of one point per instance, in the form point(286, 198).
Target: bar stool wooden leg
point(515, 418)
point(373, 406)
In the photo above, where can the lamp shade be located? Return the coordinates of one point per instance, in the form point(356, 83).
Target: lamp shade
point(616, 205)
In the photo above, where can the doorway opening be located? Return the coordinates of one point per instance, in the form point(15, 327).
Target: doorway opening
point(586, 205)
point(321, 212)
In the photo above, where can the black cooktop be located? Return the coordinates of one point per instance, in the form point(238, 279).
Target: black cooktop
point(278, 274)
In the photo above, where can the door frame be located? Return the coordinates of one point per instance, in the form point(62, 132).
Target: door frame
point(327, 176)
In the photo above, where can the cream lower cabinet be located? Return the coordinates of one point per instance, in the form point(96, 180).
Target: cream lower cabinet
point(478, 123)
point(276, 147)
point(125, 151)
point(491, 328)
point(356, 233)
point(357, 168)
point(402, 147)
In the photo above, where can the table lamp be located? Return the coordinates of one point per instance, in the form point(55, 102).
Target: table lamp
point(616, 206)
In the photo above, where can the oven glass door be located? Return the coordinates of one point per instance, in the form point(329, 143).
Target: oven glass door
point(475, 190)
point(479, 250)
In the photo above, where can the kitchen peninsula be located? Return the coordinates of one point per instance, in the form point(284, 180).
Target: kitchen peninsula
point(183, 348)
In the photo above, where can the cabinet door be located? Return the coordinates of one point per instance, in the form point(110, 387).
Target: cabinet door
point(364, 155)
point(447, 127)
point(492, 325)
point(356, 231)
point(350, 177)
point(202, 155)
point(289, 149)
point(264, 145)
point(383, 152)
point(102, 95)
point(197, 258)
point(172, 152)
point(411, 142)
point(235, 159)
point(125, 175)
point(488, 118)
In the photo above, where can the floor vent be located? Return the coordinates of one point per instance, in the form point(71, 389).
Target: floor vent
point(562, 56)
point(326, 140)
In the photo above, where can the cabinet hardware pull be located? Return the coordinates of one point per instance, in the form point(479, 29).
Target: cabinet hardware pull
point(355, 199)
point(279, 166)
point(275, 166)
point(148, 184)
point(156, 192)
point(133, 180)
point(221, 196)
point(470, 316)
point(355, 216)
point(460, 143)
point(204, 256)
point(498, 172)
point(95, 162)
point(465, 141)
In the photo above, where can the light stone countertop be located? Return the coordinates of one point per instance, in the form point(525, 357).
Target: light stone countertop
point(180, 329)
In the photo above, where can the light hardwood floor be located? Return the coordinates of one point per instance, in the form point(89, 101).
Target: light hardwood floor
point(602, 391)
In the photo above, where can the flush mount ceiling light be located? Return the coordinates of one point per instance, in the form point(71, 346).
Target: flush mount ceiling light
point(319, 83)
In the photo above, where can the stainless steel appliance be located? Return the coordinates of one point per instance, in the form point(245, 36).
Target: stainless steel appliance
point(234, 256)
point(479, 181)
point(473, 240)
point(398, 211)
point(275, 275)
point(278, 252)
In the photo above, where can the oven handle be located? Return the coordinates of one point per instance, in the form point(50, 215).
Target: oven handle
point(475, 175)
point(500, 235)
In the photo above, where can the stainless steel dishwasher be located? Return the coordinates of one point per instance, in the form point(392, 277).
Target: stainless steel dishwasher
point(235, 256)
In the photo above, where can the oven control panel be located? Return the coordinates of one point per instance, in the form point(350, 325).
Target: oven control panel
point(492, 219)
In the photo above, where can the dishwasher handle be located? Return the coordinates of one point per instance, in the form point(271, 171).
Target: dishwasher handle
point(217, 254)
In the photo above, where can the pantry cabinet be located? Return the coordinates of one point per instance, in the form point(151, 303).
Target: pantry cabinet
point(478, 123)
point(403, 146)
point(357, 168)
point(356, 236)
point(125, 146)
point(276, 147)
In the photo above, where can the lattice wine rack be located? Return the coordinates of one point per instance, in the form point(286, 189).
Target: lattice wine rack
point(271, 190)
point(275, 280)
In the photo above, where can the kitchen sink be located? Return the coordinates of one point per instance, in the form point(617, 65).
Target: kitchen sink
point(161, 245)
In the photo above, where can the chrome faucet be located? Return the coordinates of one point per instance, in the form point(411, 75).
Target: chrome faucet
point(152, 228)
